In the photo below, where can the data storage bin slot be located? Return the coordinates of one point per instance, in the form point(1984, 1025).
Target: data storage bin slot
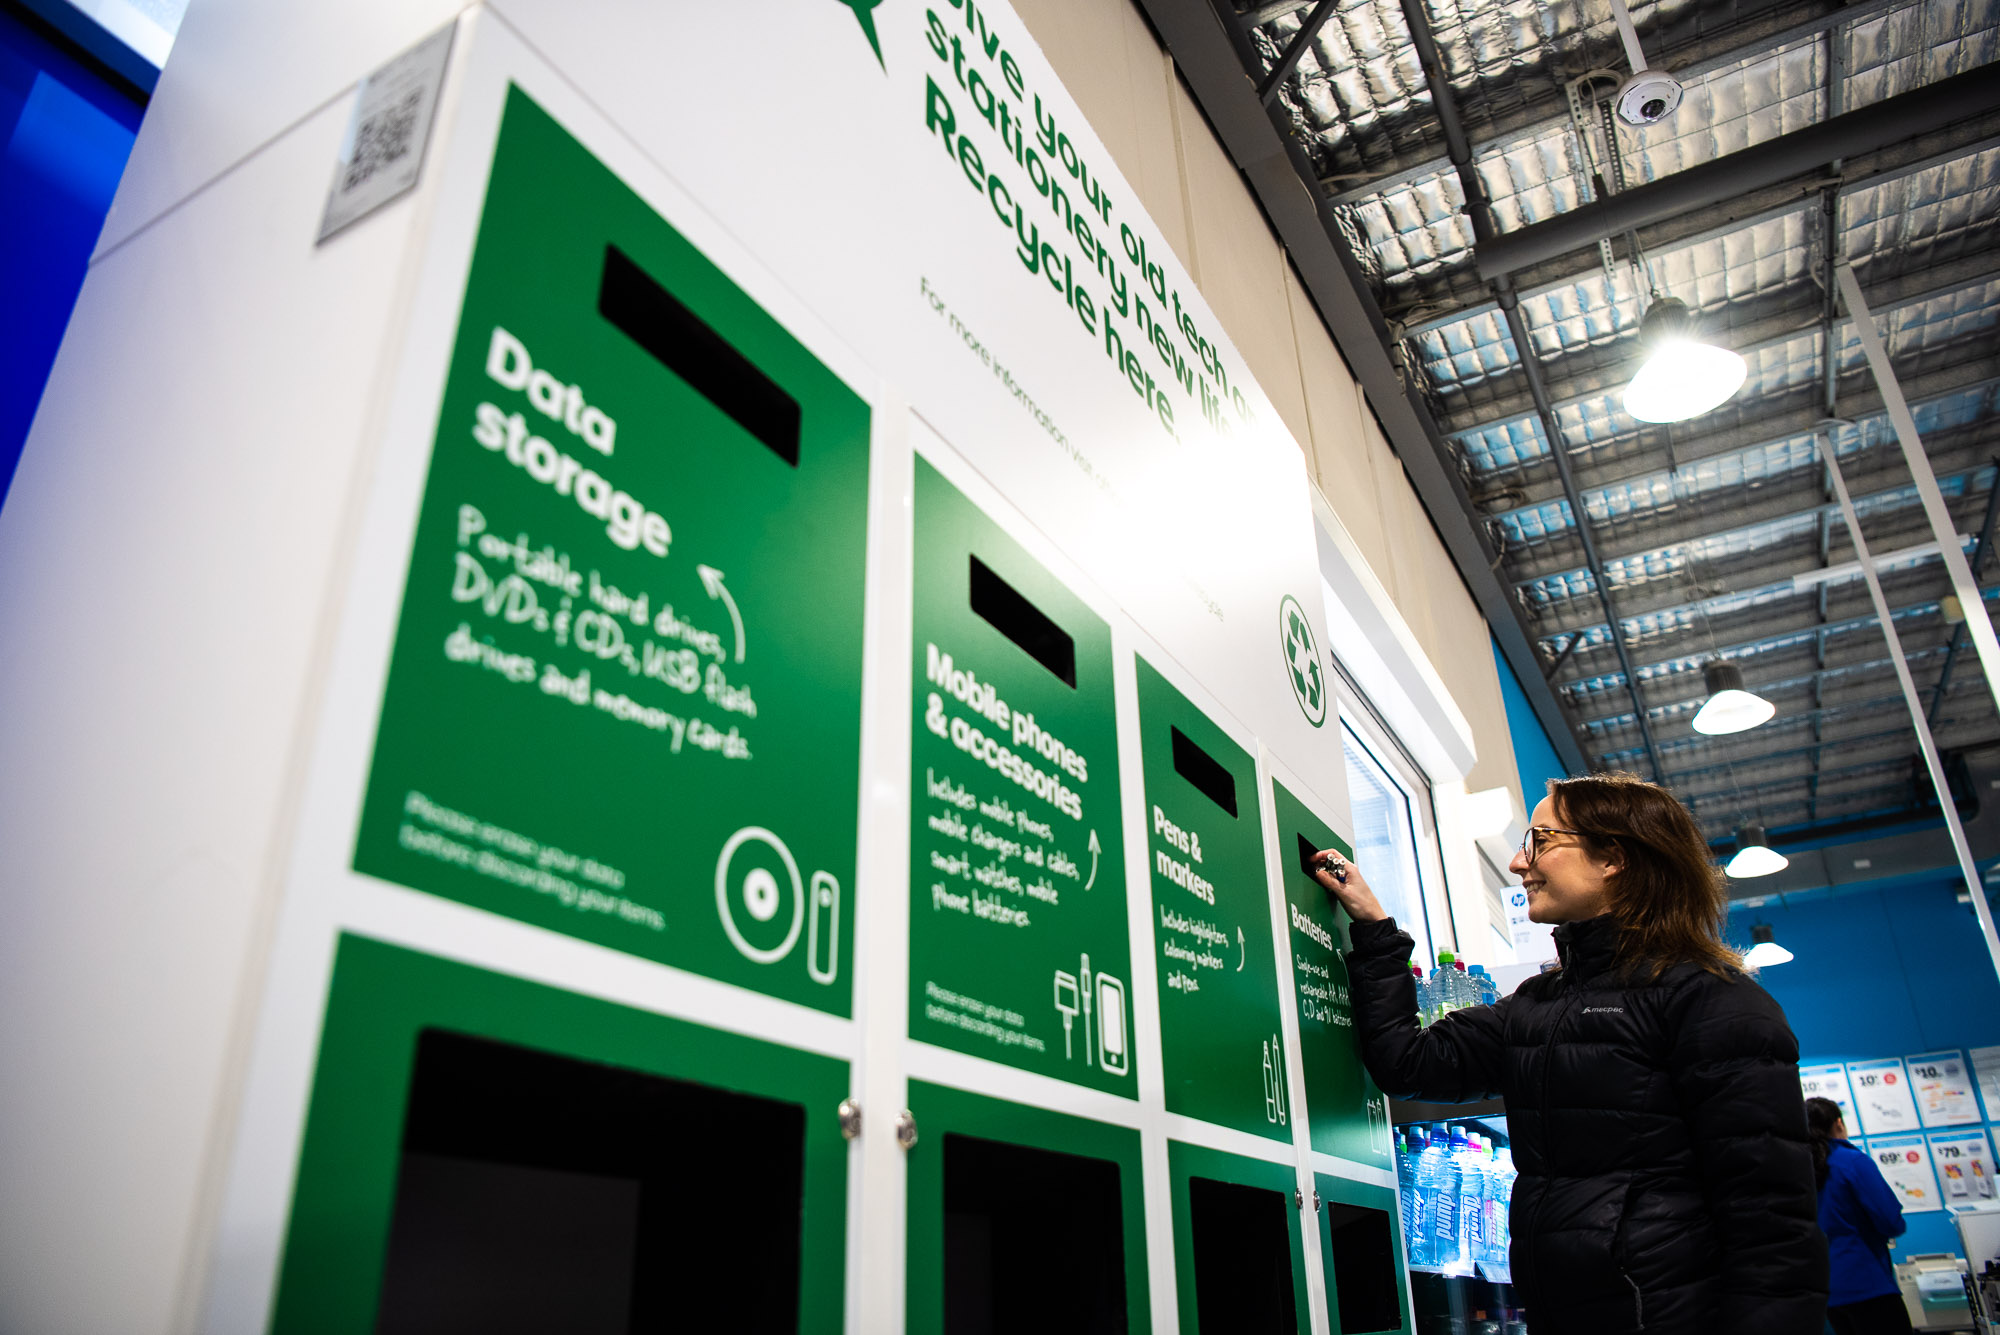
point(1242, 1259)
point(537, 1192)
point(1033, 1240)
point(1364, 1268)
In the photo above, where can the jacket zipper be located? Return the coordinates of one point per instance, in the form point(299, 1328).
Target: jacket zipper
point(1548, 1054)
point(1618, 1255)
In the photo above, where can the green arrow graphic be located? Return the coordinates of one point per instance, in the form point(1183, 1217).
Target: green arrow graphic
point(864, 14)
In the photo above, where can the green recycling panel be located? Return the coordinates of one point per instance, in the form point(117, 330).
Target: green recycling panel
point(624, 699)
point(1361, 1253)
point(1084, 1248)
point(386, 1002)
point(1020, 950)
point(1220, 1026)
point(1237, 1231)
point(1348, 1115)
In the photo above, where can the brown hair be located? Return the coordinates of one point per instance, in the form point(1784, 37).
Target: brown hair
point(1669, 897)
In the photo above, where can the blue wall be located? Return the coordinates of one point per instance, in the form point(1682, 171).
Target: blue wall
point(65, 132)
point(1534, 757)
point(1893, 969)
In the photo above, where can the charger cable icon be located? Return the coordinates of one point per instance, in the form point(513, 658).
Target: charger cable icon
point(1066, 1002)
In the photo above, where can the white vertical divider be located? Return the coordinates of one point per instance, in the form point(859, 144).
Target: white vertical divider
point(1918, 723)
point(877, 1184)
point(1162, 1280)
point(1288, 1010)
point(1977, 620)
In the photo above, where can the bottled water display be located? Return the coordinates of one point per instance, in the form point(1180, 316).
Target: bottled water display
point(1456, 1184)
point(1408, 1146)
point(1428, 1200)
point(1471, 1163)
point(1452, 986)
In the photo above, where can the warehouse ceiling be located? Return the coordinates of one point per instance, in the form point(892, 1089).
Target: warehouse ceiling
point(1701, 538)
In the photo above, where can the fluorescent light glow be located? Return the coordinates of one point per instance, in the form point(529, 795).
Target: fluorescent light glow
point(1732, 711)
point(1756, 857)
point(1766, 953)
point(1756, 860)
point(1681, 379)
point(1729, 707)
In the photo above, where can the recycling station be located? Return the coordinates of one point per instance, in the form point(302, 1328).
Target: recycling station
point(756, 759)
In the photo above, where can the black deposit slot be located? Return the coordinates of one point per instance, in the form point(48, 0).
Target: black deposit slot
point(1205, 772)
point(1033, 1241)
point(1025, 624)
point(1308, 856)
point(1364, 1268)
point(1242, 1259)
point(539, 1193)
point(651, 317)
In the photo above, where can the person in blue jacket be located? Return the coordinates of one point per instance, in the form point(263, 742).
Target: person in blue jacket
point(1859, 1213)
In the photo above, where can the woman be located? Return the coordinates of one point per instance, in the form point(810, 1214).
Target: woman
point(1859, 1213)
point(1652, 1089)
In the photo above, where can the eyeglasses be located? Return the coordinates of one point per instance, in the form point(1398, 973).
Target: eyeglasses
point(1531, 843)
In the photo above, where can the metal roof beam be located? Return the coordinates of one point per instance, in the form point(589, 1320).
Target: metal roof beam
point(1808, 625)
point(1972, 273)
point(1688, 454)
point(1932, 107)
point(1594, 470)
point(1780, 508)
point(1688, 61)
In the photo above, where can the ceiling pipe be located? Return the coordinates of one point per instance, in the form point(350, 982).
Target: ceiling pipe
point(1480, 210)
point(1935, 106)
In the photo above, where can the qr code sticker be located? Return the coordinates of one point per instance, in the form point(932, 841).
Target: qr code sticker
point(384, 139)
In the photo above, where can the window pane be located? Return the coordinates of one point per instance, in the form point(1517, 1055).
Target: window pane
point(1384, 842)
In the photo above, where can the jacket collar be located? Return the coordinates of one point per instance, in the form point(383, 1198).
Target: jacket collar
point(1586, 948)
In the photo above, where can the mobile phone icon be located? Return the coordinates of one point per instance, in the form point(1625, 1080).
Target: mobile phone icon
point(823, 928)
point(1112, 1053)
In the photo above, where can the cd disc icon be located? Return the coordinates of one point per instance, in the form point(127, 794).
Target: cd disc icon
point(754, 877)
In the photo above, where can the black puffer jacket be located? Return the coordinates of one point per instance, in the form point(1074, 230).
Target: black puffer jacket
point(1666, 1181)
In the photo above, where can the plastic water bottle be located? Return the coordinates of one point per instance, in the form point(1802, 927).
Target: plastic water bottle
point(1447, 1232)
point(1409, 1145)
point(1499, 1204)
point(1485, 990)
point(1443, 998)
point(1471, 1201)
point(1468, 992)
point(1433, 1163)
point(1423, 993)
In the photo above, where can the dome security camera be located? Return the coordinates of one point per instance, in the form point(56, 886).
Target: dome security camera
point(1647, 98)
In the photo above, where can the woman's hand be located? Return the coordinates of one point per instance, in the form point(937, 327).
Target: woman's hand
point(1346, 884)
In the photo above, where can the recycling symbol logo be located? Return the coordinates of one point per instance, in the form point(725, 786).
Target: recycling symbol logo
point(1301, 650)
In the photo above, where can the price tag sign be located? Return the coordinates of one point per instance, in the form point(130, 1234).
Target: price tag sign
point(1942, 1085)
point(1829, 1082)
point(1905, 1162)
point(1964, 1164)
point(1986, 1066)
point(1882, 1096)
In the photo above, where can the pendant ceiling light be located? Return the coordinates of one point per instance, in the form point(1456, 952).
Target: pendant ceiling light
point(1681, 376)
point(1765, 951)
point(1755, 856)
point(1729, 707)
